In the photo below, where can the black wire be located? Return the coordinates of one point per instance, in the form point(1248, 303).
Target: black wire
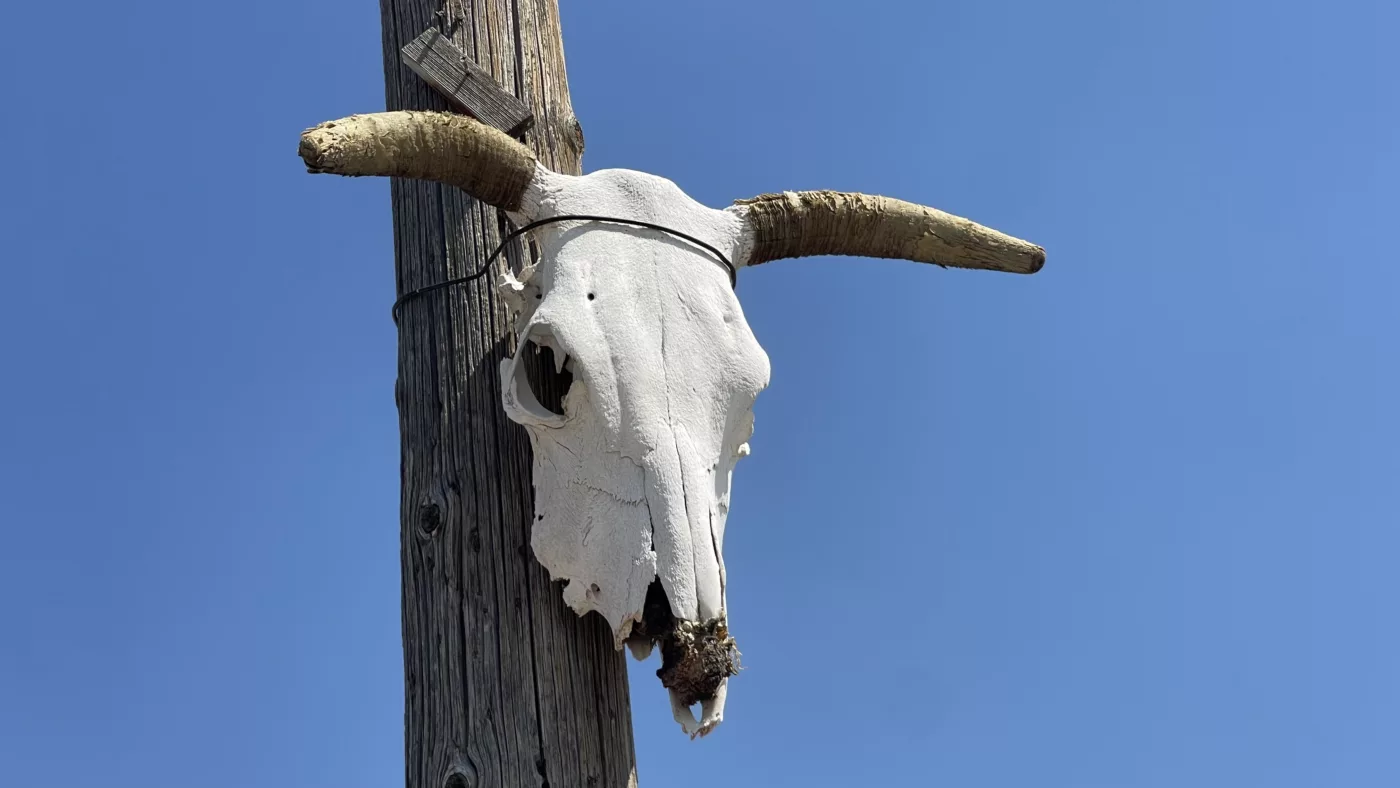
point(491, 258)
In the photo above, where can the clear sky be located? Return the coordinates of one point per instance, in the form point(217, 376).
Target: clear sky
point(1129, 523)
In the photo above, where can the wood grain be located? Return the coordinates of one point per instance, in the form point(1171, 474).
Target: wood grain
point(503, 685)
point(469, 87)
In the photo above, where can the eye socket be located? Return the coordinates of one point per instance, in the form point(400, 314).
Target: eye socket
point(546, 376)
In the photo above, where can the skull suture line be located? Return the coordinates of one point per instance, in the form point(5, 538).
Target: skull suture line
point(632, 480)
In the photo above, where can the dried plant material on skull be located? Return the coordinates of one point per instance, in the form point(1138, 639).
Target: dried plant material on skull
point(695, 657)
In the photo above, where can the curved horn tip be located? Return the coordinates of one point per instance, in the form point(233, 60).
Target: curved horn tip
point(322, 147)
point(311, 152)
point(1037, 260)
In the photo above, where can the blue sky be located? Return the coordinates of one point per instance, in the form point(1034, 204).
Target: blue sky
point(1128, 523)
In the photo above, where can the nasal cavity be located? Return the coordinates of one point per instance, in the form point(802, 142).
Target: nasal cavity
point(548, 386)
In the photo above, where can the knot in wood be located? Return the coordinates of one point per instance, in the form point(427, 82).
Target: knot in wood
point(429, 518)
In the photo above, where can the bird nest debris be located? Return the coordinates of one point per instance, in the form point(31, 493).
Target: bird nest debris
point(696, 657)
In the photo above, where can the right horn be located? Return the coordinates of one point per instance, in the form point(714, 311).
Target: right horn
point(433, 146)
point(805, 224)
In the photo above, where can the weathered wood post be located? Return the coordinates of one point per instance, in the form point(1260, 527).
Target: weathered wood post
point(503, 685)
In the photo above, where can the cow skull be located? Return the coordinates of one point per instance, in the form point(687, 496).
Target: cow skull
point(632, 480)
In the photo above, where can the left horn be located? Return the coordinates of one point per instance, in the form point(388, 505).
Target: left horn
point(434, 146)
point(805, 224)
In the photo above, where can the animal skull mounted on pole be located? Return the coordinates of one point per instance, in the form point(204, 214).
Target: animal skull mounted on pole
point(632, 480)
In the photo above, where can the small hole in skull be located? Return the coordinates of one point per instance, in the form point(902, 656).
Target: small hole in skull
point(590, 296)
point(548, 386)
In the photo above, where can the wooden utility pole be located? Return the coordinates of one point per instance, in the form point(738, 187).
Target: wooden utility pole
point(503, 685)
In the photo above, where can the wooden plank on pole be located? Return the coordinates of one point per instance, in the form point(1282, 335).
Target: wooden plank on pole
point(468, 86)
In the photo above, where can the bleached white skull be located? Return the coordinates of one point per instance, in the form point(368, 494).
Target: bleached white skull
point(632, 480)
